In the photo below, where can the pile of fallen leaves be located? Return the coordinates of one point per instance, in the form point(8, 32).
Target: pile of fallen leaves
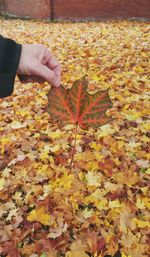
point(100, 206)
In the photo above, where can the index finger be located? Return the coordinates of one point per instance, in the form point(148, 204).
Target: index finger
point(54, 65)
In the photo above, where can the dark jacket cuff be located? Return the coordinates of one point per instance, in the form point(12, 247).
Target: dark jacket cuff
point(9, 62)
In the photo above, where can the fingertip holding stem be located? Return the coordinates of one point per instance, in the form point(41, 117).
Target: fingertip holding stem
point(56, 82)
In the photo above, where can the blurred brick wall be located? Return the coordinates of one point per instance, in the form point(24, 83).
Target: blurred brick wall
point(76, 9)
point(28, 8)
point(64, 9)
point(2, 6)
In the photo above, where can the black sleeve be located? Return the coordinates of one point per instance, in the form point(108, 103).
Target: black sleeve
point(10, 53)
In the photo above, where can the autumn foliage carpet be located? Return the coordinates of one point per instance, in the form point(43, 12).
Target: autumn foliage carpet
point(100, 207)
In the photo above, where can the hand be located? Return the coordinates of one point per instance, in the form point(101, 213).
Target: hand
point(37, 64)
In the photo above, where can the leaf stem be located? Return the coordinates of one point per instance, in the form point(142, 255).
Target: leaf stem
point(74, 147)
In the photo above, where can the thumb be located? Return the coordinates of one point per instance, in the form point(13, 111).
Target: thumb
point(45, 73)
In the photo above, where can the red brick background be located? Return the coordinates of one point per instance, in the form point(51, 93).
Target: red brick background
point(87, 9)
point(76, 9)
point(64, 9)
point(28, 8)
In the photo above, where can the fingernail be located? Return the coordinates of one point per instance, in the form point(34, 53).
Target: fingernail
point(57, 83)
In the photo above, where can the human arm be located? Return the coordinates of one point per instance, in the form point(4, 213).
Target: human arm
point(31, 62)
point(10, 53)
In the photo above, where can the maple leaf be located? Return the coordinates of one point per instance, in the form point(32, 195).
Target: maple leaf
point(10, 249)
point(77, 106)
point(2, 183)
point(96, 244)
point(92, 179)
point(62, 228)
point(39, 215)
point(76, 249)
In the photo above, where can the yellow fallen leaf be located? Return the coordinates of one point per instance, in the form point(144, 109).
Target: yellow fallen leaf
point(23, 112)
point(65, 181)
point(87, 213)
point(46, 190)
point(92, 166)
point(95, 146)
point(4, 141)
point(104, 131)
point(56, 134)
point(73, 254)
point(102, 204)
point(148, 171)
point(55, 148)
point(77, 249)
point(114, 204)
point(140, 203)
point(69, 127)
point(40, 216)
point(132, 115)
point(124, 255)
point(139, 69)
point(92, 179)
point(146, 202)
point(141, 223)
point(17, 125)
point(2, 183)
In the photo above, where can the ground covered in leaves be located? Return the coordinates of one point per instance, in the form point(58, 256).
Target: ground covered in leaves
point(100, 207)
